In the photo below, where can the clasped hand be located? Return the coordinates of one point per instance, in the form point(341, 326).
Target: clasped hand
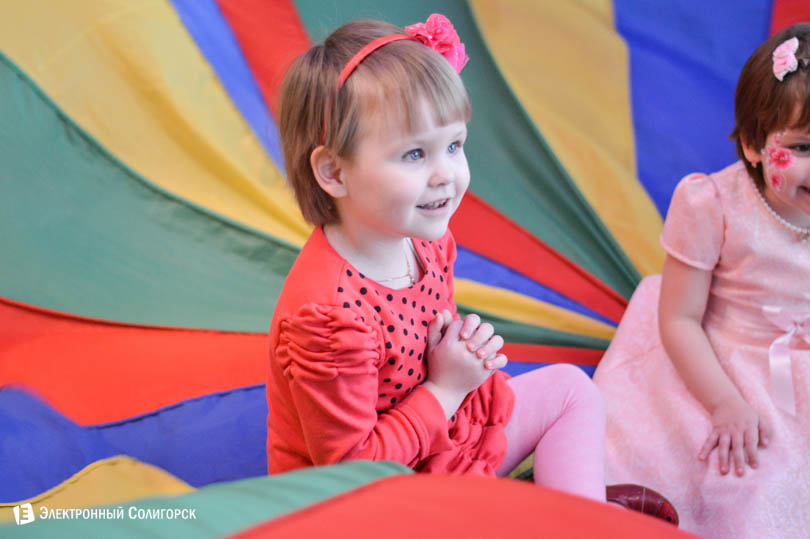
point(738, 432)
point(462, 355)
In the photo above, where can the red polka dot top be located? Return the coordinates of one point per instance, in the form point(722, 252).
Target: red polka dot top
point(347, 362)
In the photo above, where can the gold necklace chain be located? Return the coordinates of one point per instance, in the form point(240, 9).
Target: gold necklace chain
point(409, 275)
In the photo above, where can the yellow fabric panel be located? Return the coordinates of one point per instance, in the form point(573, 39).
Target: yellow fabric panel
point(104, 482)
point(524, 466)
point(131, 75)
point(520, 308)
point(568, 67)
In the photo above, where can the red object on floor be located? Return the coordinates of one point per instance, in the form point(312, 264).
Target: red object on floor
point(644, 500)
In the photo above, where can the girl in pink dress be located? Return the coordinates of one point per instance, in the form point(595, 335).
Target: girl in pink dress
point(710, 399)
point(368, 359)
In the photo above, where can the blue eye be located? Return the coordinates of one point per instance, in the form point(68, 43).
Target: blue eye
point(454, 147)
point(414, 155)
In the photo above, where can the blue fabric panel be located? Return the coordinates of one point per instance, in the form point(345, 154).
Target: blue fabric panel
point(216, 437)
point(39, 447)
point(470, 265)
point(516, 368)
point(204, 21)
point(685, 58)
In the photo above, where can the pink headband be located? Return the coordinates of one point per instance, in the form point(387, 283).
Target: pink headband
point(437, 33)
point(365, 51)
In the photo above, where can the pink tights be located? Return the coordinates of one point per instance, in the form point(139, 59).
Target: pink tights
point(560, 415)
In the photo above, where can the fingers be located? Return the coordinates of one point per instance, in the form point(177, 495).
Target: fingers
point(482, 335)
point(490, 348)
point(723, 447)
point(434, 332)
point(471, 323)
point(765, 432)
point(751, 441)
point(737, 454)
point(437, 326)
point(498, 362)
point(708, 445)
point(452, 331)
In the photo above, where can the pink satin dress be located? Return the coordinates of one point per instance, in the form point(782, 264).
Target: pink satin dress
point(758, 322)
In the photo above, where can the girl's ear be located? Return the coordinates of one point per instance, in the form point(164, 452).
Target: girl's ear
point(326, 168)
point(751, 155)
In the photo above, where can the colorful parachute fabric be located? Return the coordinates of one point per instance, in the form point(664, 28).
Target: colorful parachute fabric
point(147, 228)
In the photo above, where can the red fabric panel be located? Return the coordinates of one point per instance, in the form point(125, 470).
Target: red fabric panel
point(95, 371)
point(426, 505)
point(788, 12)
point(541, 353)
point(271, 36)
point(484, 230)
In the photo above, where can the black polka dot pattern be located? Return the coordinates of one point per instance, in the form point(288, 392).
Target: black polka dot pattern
point(396, 314)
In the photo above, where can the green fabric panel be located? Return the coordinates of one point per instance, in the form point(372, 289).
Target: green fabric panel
point(513, 168)
point(222, 509)
point(91, 237)
point(84, 234)
point(518, 332)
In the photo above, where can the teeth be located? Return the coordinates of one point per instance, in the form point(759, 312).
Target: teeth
point(433, 205)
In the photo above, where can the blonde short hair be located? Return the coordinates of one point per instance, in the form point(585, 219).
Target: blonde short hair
point(764, 104)
point(391, 81)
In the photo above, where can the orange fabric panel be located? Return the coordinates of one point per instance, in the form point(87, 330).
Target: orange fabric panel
point(542, 353)
point(95, 371)
point(426, 505)
point(271, 36)
point(484, 230)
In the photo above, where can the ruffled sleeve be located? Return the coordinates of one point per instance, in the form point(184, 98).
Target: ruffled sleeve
point(330, 358)
point(694, 228)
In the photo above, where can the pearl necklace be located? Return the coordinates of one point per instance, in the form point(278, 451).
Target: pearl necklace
point(804, 233)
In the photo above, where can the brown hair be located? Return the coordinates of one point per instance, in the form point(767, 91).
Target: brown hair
point(391, 80)
point(763, 104)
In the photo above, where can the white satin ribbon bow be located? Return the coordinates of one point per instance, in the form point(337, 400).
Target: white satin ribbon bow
point(793, 325)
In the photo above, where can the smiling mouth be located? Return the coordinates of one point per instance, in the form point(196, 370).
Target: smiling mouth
point(434, 205)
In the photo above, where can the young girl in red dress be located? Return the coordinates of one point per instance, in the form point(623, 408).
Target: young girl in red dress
point(368, 358)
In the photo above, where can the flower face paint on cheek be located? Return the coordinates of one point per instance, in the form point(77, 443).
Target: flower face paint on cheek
point(779, 161)
point(780, 158)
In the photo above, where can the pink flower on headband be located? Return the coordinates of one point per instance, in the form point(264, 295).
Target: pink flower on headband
point(438, 34)
point(784, 58)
